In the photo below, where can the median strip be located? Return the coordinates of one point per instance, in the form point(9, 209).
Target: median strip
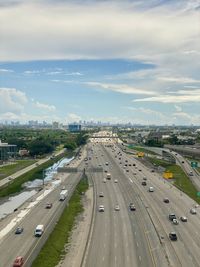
point(54, 249)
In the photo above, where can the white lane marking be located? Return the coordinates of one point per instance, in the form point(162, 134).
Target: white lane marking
point(130, 180)
point(115, 244)
point(103, 258)
point(137, 244)
point(140, 258)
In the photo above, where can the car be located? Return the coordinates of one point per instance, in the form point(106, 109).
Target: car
point(101, 208)
point(151, 189)
point(173, 236)
point(196, 206)
point(191, 173)
point(19, 261)
point(172, 216)
point(126, 160)
point(183, 219)
point(140, 170)
point(101, 194)
point(152, 170)
point(9, 178)
point(166, 200)
point(104, 180)
point(132, 206)
point(144, 178)
point(127, 170)
point(193, 211)
point(182, 161)
point(129, 164)
point(19, 230)
point(175, 221)
point(144, 183)
point(117, 208)
point(115, 181)
point(48, 205)
point(134, 164)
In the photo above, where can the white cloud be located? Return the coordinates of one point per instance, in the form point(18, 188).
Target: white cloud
point(45, 107)
point(12, 100)
point(74, 74)
point(105, 29)
point(120, 88)
point(6, 70)
point(72, 117)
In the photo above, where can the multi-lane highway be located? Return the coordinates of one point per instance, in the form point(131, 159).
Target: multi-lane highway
point(141, 237)
point(29, 216)
point(120, 237)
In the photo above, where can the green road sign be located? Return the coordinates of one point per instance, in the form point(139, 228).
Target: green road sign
point(194, 164)
point(198, 194)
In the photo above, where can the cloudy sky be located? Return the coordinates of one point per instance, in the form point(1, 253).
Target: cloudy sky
point(120, 61)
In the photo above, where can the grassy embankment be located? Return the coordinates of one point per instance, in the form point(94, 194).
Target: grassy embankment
point(14, 167)
point(15, 185)
point(53, 250)
point(181, 180)
point(141, 149)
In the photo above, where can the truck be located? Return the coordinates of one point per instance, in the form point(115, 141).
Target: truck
point(63, 195)
point(108, 176)
point(39, 230)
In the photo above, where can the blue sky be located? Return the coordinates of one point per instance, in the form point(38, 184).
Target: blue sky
point(118, 61)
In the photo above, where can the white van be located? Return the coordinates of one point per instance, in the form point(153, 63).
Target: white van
point(39, 230)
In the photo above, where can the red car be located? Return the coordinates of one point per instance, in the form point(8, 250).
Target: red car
point(19, 261)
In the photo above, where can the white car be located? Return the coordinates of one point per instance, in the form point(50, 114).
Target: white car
point(116, 181)
point(104, 180)
point(183, 219)
point(101, 208)
point(117, 207)
point(175, 221)
point(151, 189)
point(193, 211)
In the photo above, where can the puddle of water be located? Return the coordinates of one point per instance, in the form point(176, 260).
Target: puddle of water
point(16, 201)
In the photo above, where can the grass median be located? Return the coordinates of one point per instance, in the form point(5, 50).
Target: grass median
point(53, 250)
point(15, 185)
point(181, 181)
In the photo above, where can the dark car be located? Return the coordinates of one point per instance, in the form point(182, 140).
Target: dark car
point(166, 200)
point(144, 183)
point(173, 236)
point(19, 230)
point(49, 205)
point(19, 261)
point(132, 206)
point(172, 216)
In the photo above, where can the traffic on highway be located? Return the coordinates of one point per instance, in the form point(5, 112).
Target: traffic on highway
point(138, 218)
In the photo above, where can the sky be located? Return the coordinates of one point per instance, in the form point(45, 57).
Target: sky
point(116, 61)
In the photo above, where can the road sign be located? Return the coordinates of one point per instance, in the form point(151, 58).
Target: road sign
point(168, 175)
point(198, 194)
point(194, 164)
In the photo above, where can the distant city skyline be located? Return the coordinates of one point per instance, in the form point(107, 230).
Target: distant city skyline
point(116, 62)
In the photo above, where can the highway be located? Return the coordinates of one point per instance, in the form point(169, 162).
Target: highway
point(139, 238)
point(29, 216)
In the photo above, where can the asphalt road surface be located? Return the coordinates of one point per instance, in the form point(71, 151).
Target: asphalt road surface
point(139, 238)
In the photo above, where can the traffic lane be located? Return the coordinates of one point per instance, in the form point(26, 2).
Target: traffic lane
point(169, 248)
point(139, 230)
point(96, 254)
point(186, 234)
point(101, 247)
point(20, 245)
point(143, 248)
point(113, 255)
